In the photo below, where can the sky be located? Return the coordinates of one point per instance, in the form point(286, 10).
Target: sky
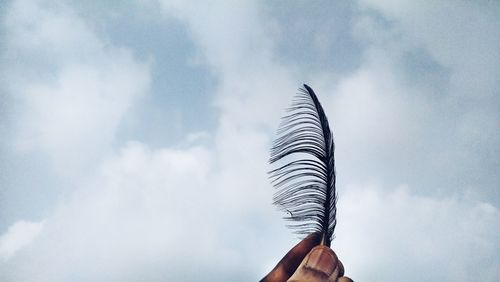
point(134, 136)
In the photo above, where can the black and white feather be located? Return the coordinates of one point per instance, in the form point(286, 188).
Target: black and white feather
point(304, 167)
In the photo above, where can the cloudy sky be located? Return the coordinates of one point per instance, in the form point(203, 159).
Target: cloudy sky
point(134, 136)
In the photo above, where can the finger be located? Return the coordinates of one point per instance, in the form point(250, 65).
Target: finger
point(344, 279)
point(289, 263)
point(320, 265)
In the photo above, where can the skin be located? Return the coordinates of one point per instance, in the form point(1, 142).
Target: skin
point(308, 262)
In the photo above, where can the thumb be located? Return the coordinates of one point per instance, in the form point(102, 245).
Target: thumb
point(320, 265)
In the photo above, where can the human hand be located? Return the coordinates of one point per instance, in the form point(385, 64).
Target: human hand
point(308, 262)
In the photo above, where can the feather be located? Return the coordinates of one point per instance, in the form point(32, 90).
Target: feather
point(304, 168)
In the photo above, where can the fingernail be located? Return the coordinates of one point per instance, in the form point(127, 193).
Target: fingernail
point(322, 259)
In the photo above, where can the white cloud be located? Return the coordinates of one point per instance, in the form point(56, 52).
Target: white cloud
point(240, 55)
point(50, 33)
point(19, 235)
point(136, 210)
point(458, 34)
point(405, 106)
point(250, 85)
point(394, 235)
point(147, 213)
point(71, 89)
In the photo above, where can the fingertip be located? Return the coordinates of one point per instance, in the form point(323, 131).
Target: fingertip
point(314, 238)
point(341, 268)
point(322, 259)
point(344, 279)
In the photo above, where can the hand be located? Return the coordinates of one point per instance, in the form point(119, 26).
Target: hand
point(308, 262)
